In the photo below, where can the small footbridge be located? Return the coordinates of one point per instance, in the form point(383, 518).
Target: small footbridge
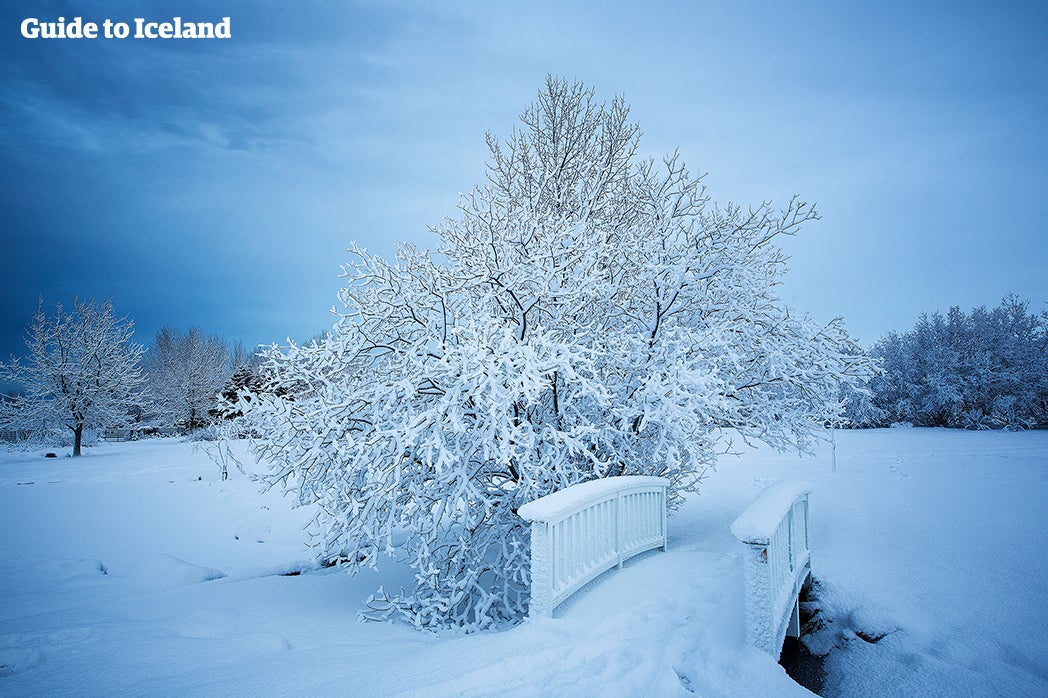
point(584, 530)
point(774, 530)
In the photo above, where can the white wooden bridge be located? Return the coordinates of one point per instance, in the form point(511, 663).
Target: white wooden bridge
point(582, 531)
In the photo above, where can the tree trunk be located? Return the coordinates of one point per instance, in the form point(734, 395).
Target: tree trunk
point(78, 437)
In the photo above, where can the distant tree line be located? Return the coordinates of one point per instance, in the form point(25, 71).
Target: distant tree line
point(193, 379)
point(985, 369)
point(83, 374)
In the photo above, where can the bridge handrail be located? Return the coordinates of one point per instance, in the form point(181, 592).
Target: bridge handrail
point(757, 524)
point(778, 564)
point(588, 528)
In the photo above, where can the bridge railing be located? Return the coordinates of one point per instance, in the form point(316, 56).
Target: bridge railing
point(774, 529)
point(584, 530)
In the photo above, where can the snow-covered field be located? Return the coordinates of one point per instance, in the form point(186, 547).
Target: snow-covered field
point(135, 571)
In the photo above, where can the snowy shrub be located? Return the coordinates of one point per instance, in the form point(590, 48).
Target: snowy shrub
point(587, 314)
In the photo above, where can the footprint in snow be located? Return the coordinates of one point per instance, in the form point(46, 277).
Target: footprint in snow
point(896, 470)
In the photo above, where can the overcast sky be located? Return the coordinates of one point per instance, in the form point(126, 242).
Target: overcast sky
point(218, 183)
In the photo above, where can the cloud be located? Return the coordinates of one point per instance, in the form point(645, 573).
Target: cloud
point(218, 177)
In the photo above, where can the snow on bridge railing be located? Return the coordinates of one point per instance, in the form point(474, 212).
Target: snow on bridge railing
point(778, 564)
point(588, 528)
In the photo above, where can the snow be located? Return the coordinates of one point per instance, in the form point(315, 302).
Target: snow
point(758, 522)
point(109, 585)
point(164, 571)
point(559, 504)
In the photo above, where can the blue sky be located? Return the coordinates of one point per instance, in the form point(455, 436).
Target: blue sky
point(219, 183)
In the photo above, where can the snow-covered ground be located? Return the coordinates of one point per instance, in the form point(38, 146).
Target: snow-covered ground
point(135, 571)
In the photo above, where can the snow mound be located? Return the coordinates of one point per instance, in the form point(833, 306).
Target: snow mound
point(166, 571)
point(74, 568)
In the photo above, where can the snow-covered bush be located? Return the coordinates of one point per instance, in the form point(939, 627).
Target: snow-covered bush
point(587, 314)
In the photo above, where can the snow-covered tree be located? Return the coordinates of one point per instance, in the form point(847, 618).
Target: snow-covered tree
point(186, 372)
point(588, 313)
point(860, 411)
point(240, 356)
point(81, 372)
point(245, 383)
point(979, 370)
